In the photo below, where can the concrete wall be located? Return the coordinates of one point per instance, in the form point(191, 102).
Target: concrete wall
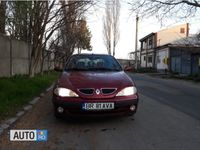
point(143, 61)
point(20, 57)
point(125, 62)
point(14, 57)
point(172, 34)
point(160, 56)
point(4, 56)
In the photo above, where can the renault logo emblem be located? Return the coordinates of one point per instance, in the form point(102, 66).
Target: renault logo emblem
point(97, 91)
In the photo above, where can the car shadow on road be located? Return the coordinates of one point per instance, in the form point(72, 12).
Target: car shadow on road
point(92, 119)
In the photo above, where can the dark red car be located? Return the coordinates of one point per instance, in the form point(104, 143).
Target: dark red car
point(94, 84)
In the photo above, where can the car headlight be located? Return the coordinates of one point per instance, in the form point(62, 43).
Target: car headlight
point(127, 91)
point(63, 92)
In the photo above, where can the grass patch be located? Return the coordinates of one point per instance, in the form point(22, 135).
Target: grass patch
point(18, 90)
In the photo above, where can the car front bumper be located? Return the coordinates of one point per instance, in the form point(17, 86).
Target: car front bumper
point(73, 106)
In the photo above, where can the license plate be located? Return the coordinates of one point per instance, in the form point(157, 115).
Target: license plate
point(98, 106)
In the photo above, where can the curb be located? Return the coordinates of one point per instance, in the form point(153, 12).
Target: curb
point(7, 123)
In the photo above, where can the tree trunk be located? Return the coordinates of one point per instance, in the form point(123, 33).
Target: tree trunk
point(114, 48)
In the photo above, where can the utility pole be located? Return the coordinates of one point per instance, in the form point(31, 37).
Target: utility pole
point(136, 41)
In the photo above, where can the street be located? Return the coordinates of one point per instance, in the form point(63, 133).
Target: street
point(168, 118)
point(181, 95)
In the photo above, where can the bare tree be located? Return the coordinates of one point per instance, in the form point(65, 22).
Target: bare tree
point(107, 27)
point(2, 16)
point(41, 18)
point(73, 33)
point(115, 24)
point(111, 25)
point(28, 21)
point(37, 21)
point(18, 19)
point(166, 8)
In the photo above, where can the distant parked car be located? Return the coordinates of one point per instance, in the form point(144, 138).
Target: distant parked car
point(130, 68)
point(94, 84)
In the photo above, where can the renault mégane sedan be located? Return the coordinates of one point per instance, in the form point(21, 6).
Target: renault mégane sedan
point(94, 84)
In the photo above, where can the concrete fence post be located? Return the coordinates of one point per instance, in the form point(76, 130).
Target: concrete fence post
point(11, 58)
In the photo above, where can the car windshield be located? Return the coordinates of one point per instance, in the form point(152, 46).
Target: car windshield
point(92, 63)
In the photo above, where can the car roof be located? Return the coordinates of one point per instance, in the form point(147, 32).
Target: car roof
point(91, 55)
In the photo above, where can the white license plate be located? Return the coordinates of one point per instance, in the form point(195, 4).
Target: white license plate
point(98, 106)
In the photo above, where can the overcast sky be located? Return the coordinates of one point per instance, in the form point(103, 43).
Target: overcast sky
point(127, 29)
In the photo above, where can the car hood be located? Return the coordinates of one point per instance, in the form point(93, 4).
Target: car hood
point(85, 79)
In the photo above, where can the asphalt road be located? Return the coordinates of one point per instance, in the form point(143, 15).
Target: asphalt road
point(181, 95)
point(158, 125)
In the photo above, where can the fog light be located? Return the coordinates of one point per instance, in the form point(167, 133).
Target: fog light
point(60, 109)
point(132, 107)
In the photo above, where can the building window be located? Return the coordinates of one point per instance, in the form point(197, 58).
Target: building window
point(142, 48)
point(182, 30)
point(150, 43)
point(144, 58)
point(144, 45)
point(150, 59)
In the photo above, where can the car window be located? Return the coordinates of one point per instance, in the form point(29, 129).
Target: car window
point(89, 63)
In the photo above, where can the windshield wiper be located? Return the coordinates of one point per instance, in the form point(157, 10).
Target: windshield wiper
point(92, 69)
point(104, 69)
point(76, 69)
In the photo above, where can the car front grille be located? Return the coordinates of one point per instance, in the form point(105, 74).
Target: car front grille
point(91, 91)
point(87, 91)
point(107, 91)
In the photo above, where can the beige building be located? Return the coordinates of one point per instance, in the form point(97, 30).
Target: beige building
point(172, 34)
point(149, 43)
